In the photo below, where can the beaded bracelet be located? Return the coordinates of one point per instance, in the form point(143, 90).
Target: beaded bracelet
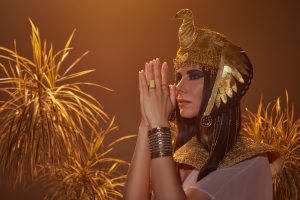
point(160, 142)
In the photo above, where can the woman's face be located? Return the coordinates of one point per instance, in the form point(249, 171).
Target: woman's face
point(189, 89)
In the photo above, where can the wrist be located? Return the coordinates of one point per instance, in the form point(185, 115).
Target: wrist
point(144, 126)
point(144, 123)
point(159, 124)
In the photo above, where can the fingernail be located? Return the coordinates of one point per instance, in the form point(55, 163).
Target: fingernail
point(164, 64)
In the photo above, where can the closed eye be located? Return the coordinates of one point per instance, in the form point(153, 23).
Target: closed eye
point(195, 74)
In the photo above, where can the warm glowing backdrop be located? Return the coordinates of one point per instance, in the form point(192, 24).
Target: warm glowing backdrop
point(122, 35)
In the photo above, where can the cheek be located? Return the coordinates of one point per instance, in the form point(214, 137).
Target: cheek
point(197, 93)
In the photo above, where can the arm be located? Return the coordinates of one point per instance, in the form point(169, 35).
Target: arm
point(137, 183)
point(138, 180)
point(166, 183)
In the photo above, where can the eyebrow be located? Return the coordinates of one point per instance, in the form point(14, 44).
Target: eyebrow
point(189, 72)
point(193, 70)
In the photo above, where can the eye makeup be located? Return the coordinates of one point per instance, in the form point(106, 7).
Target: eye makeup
point(192, 74)
point(195, 74)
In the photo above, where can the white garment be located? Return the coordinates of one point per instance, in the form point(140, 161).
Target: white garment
point(248, 180)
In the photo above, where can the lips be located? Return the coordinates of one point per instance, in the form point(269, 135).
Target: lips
point(183, 102)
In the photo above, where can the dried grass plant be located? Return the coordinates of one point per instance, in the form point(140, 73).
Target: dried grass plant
point(43, 118)
point(275, 125)
point(91, 175)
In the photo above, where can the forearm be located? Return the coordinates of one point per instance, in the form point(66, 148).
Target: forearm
point(165, 180)
point(138, 176)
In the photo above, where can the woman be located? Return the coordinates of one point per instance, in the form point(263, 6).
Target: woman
point(211, 159)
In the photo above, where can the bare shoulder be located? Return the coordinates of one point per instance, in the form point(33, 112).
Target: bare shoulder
point(194, 194)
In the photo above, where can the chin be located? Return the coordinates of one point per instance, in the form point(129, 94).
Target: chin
point(187, 114)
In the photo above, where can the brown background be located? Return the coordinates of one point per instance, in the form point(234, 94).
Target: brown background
point(122, 35)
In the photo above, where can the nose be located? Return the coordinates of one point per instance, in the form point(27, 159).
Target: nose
point(181, 87)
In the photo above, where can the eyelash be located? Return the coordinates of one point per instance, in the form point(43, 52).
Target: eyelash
point(194, 76)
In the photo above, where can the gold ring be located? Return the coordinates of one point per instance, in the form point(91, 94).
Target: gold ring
point(152, 84)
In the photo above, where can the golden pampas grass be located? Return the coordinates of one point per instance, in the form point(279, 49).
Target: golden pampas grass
point(42, 120)
point(275, 125)
point(90, 175)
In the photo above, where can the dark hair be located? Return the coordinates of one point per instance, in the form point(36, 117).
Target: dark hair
point(223, 132)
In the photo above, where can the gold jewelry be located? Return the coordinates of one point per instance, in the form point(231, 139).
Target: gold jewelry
point(160, 142)
point(152, 84)
point(206, 121)
point(159, 129)
point(193, 154)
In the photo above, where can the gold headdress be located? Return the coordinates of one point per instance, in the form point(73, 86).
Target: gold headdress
point(208, 50)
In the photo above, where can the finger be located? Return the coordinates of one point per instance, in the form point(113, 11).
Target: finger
point(141, 95)
point(149, 72)
point(144, 84)
point(146, 69)
point(173, 94)
point(150, 77)
point(164, 73)
point(165, 77)
point(157, 73)
point(140, 86)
